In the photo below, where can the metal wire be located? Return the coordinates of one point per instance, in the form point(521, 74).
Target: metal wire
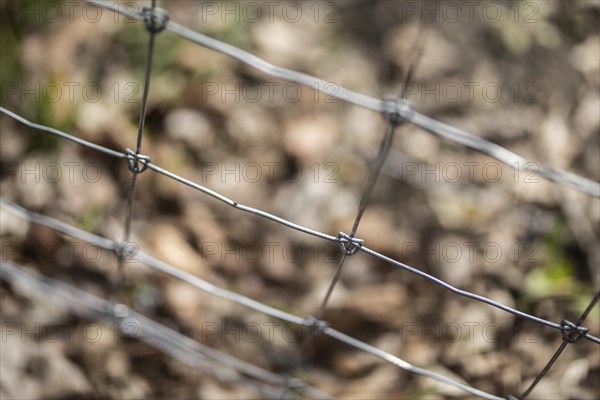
point(394, 121)
point(232, 296)
point(193, 352)
point(157, 264)
point(149, 18)
point(473, 296)
point(150, 261)
point(167, 340)
point(384, 149)
point(561, 348)
point(62, 134)
point(340, 239)
point(174, 176)
point(428, 124)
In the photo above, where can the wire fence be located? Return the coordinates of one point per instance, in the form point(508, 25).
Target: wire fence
point(223, 366)
point(396, 111)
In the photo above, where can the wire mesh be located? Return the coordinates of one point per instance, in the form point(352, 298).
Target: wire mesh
point(396, 111)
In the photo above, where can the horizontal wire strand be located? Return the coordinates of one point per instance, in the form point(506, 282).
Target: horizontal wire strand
point(165, 339)
point(471, 295)
point(62, 134)
point(232, 296)
point(154, 263)
point(292, 225)
point(560, 349)
point(242, 207)
point(173, 176)
point(405, 365)
point(430, 125)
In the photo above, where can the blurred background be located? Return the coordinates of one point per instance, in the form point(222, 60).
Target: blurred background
point(523, 74)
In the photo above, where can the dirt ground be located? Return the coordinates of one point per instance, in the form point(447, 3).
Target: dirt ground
point(525, 75)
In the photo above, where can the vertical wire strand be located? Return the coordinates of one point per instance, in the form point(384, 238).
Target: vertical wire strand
point(560, 349)
point(366, 195)
point(132, 187)
point(417, 54)
point(384, 149)
point(305, 350)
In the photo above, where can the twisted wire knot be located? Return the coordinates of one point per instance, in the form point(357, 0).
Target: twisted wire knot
point(293, 387)
point(571, 332)
point(396, 110)
point(315, 325)
point(294, 384)
point(155, 19)
point(137, 163)
point(123, 250)
point(349, 245)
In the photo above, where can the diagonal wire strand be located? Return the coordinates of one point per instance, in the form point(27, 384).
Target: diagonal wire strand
point(405, 365)
point(171, 175)
point(430, 125)
point(167, 340)
point(147, 77)
point(560, 349)
point(154, 263)
point(294, 226)
point(232, 296)
point(384, 149)
point(417, 54)
point(242, 207)
point(63, 135)
point(138, 149)
point(426, 123)
point(470, 295)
